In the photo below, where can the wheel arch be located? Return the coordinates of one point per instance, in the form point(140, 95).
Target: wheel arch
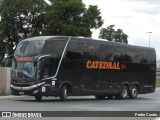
point(129, 85)
point(125, 84)
point(68, 85)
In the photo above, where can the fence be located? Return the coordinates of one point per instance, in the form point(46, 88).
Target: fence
point(5, 80)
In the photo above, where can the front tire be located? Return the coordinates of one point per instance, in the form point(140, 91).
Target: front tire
point(63, 93)
point(38, 98)
point(133, 93)
point(110, 96)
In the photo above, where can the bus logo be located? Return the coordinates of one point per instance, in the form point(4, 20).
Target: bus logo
point(105, 65)
point(6, 114)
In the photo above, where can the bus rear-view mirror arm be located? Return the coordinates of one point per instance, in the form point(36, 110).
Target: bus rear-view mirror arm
point(6, 58)
point(43, 56)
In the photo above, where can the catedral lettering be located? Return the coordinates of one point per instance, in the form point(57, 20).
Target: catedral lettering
point(65, 65)
point(102, 65)
point(25, 59)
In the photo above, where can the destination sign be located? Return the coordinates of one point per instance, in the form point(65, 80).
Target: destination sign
point(25, 59)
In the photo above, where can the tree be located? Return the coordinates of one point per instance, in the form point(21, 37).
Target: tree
point(2, 51)
point(20, 19)
point(71, 17)
point(25, 18)
point(111, 34)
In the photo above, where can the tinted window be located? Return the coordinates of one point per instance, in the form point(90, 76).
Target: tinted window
point(117, 53)
point(147, 56)
point(74, 50)
point(106, 52)
point(29, 48)
point(126, 54)
point(112, 52)
point(82, 50)
point(54, 47)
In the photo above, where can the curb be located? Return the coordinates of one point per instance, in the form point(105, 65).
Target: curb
point(9, 96)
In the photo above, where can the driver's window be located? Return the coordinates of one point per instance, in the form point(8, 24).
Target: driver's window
point(46, 73)
point(49, 67)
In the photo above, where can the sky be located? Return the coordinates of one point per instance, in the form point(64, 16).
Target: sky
point(134, 17)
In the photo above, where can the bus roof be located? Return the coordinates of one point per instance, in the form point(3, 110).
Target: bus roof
point(79, 38)
point(40, 38)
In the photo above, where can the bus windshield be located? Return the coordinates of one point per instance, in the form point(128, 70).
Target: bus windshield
point(26, 54)
point(25, 70)
point(29, 48)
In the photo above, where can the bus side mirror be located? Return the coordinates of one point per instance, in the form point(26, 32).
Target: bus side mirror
point(4, 61)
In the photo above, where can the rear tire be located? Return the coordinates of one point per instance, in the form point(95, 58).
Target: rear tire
point(38, 98)
point(100, 97)
point(123, 93)
point(63, 93)
point(133, 93)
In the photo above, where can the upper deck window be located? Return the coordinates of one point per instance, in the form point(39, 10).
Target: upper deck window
point(54, 47)
point(29, 48)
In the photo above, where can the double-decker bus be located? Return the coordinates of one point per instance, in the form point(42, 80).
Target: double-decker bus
point(64, 65)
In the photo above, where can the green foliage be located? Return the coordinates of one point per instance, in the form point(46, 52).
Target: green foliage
point(70, 17)
point(19, 19)
point(2, 51)
point(158, 82)
point(25, 18)
point(4, 94)
point(111, 34)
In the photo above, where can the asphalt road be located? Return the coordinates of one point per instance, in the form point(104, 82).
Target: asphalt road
point(147, 102)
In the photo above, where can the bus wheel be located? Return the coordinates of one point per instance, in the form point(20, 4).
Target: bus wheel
point(110, 96)
point(123, 93)
point(38, 98)
point(63, 93)
point(100, 97)
point(133, 93)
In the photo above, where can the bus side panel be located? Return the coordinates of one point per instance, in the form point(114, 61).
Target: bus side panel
point(136, 67)
point(83, 81)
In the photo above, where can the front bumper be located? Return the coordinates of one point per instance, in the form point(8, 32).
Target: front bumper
point(32, 90)
point(27, 88)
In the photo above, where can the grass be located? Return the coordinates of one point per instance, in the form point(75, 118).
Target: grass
point(158, 82)
point(3, 94)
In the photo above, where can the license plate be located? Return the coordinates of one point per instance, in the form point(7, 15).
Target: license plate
point(21, 92)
